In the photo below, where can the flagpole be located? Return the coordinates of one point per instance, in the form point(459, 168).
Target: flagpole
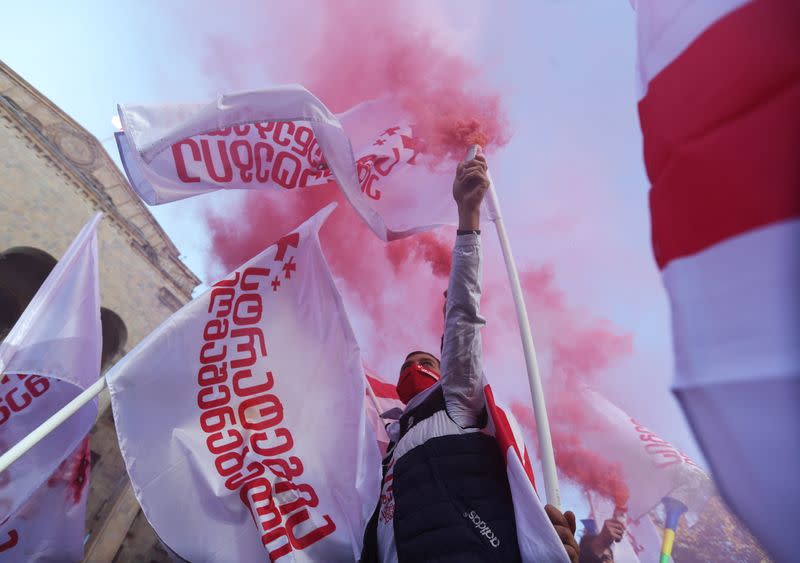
point(534, 378)
point(20, 448)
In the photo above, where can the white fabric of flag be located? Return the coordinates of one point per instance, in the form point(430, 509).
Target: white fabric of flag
point(285, 138)
point(536, 536)
point(652, 467)
point(241, 417)
point(50, 355)
point(51, 525)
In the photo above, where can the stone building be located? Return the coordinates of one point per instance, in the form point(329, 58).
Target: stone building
point(54, 176)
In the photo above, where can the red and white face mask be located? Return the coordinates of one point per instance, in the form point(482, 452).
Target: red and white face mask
point(415, 379)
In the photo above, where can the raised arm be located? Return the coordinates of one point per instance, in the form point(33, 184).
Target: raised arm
point(462, 368)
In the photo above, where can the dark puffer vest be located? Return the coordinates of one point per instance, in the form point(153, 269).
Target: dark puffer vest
point(452, 498)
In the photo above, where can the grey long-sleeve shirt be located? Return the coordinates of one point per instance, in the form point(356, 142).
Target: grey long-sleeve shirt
point(462, 378)
point(462, 363)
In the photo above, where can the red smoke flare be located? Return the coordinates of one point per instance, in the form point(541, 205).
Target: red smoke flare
point(575, 460)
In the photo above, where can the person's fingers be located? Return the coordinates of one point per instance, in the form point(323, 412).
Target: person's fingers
point(480, 160)
point(563, 534)
point(573, 548)
point(572, 553)
point(475, 165)
point(474, 176)
point(567, 538)
point(477, 162)
point(570, 516)
point(555, 516)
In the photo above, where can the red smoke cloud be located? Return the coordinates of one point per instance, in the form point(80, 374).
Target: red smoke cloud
point(349, 54)
point(359, 54)
point(577, 462)
point(578, 349)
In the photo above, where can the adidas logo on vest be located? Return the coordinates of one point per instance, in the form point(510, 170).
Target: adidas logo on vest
point(482, 527)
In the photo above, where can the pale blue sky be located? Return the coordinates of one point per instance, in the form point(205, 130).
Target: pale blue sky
point(573, 169)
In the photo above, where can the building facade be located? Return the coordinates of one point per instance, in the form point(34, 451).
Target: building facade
point(54, 175)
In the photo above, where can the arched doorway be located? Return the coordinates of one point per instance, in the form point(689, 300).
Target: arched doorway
point(22, 271)
point(115, 335)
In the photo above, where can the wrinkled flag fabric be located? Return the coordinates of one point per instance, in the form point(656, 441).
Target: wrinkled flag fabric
point(285, 138)
point(241, 417)
point(651, 467)
point(720, 116)
point(49, 357)
point(51, 525)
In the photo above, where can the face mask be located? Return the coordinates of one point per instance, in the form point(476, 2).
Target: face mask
point(415, 379)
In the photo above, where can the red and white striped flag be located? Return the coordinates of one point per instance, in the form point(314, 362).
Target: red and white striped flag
point(241, 417)
point(51, 354)
point(285, 138)
point(720, 114)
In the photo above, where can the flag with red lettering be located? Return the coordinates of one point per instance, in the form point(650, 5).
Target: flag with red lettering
point(241, 417)
point(385, 400)
point(720, 116)
point(285, 138)
point(651, 467)
point(51, 525)
point(50, 355)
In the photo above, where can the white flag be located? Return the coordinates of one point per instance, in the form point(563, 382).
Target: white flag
point(51, 525)
point(652, 467)
point(286, 138)
point(241, 417)
point(51, 354)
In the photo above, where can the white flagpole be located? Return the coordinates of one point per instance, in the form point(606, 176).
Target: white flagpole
point(534, 378)
point(19, 449)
